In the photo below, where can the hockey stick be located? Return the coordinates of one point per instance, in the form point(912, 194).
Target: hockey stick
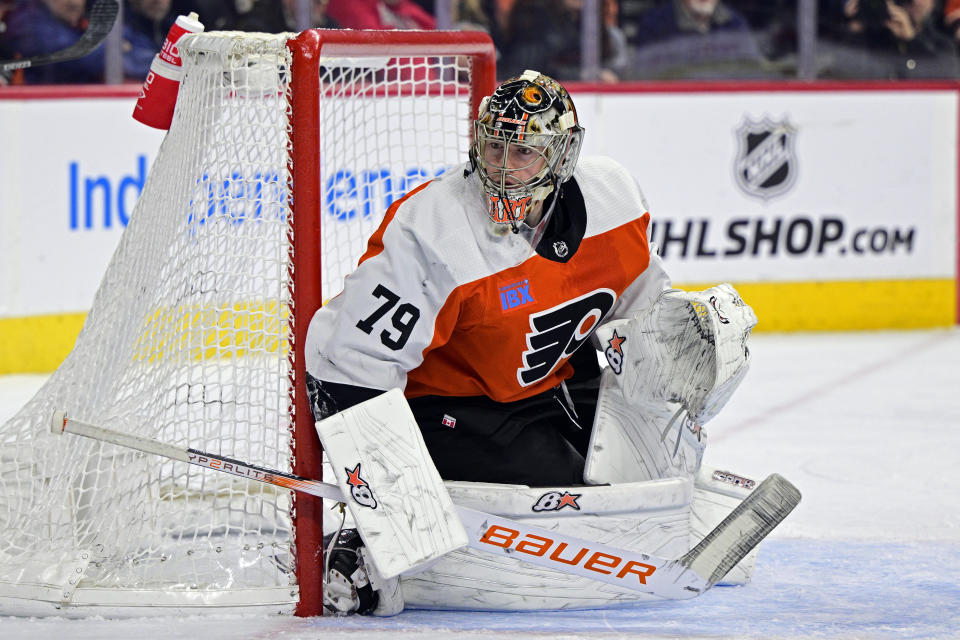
point(686, 577)
point(102, 16)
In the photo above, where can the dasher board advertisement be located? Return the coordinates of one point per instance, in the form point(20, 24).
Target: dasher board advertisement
point(828, 208)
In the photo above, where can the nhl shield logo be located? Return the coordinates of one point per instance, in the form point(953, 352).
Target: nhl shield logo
point(766, 164)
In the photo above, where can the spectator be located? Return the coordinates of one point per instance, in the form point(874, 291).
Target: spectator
point(478, 15)
point(545, 35)
point(43, 26)
point(145, 26)
point(387, 14)
point(616, 50)
point(951, 18)
point(695, 39)
point(427, 5)
point(270, 16)
point(630, 11)
point(380, 14)
point(774, 25)
point(6, 51)
point(215, 15)
point(889, 40)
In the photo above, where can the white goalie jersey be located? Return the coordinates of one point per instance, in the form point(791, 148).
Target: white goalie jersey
point(442, 304)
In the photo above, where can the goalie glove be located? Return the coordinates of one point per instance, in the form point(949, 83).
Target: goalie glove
point(689, 349)
point(671, 370)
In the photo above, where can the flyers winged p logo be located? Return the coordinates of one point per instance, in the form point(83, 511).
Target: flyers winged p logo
point(556, 333)
point(360, 491)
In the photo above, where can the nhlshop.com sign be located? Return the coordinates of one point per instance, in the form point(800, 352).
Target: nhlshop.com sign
point(801, 244)
point(799, 236)
point(818, 185)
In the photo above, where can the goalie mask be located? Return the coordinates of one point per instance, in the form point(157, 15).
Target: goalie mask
point(525, 145)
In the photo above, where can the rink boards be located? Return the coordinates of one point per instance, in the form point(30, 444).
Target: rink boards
point(828, 206)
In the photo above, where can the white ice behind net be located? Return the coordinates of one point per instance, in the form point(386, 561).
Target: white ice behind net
point(188, 339)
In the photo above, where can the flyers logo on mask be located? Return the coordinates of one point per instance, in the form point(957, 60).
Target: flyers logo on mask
point(558, 332)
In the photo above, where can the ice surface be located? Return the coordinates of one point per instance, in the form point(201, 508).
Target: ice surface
point(867, 425)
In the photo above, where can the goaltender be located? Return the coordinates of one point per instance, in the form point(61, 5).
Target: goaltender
point(486, 294)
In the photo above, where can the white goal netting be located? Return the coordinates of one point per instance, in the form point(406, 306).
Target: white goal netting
point(189, 339)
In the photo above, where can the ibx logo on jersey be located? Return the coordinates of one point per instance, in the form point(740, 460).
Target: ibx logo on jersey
point(558, 332)
point(766, 164)
point(515, 295)
point(554, 501)
point(614, 352)
point(359, 489)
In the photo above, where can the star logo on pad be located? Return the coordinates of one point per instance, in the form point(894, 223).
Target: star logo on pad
point(614, 352)
point(353, 477)
point(360, 490)
point(616, 341)
point(569, 500)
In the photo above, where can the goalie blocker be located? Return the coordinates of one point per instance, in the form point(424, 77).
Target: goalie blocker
point(397, 498)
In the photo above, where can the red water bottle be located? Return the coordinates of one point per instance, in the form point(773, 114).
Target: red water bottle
point(158, 95)
point(184, 24)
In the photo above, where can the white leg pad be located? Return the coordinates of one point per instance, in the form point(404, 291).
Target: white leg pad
point(652, 517)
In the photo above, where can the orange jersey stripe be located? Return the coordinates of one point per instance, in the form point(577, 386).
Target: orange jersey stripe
point(481, 336)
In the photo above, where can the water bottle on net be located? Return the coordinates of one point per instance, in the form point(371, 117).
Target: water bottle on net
point(158, 95)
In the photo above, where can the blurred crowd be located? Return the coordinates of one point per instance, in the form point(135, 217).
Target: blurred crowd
point(638, 39)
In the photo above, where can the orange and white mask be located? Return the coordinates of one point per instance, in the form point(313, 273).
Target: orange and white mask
point(526, 143)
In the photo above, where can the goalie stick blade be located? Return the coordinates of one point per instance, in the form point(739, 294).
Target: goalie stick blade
point(743, 529)
point(102, 16)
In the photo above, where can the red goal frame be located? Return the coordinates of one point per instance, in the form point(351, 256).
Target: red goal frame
point(305, 199)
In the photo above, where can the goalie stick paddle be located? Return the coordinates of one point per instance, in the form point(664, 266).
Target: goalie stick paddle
point(686, 577)
point(101, 19)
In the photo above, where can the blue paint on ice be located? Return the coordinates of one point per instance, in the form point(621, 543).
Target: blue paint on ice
point(800, 589)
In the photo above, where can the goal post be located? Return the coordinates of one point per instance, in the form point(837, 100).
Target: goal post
point(284, 152)
point(309, 48)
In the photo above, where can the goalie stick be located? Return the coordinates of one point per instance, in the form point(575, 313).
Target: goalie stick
point(682, 578)
point(102, 16)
